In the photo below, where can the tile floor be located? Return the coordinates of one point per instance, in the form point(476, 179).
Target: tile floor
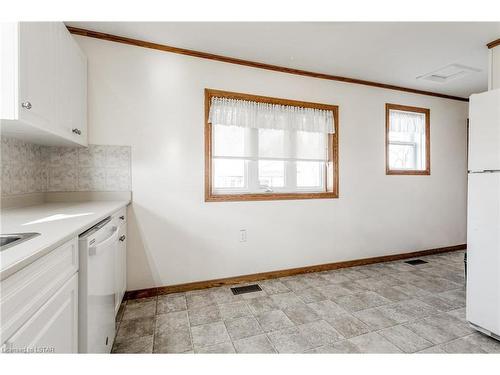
point(382, 308)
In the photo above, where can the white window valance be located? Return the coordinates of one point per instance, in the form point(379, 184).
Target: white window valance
point(406, 122)
point(249, 114)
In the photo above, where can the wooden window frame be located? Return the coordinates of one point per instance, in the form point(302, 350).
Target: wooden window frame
point(332, 177)
point(427, 112)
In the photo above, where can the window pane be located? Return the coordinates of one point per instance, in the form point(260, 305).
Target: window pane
point(271, 173)
point(271, 143)
point(406, 150)
point(229, 173)
point(310, 174)
point(311, 145)
point(228, 140)
point(407, 140)
point(402, 156)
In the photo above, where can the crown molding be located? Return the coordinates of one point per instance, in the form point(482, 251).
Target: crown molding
point(493, 44)
point(253, 64)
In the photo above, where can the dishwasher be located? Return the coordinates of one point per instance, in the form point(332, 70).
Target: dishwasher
point(96, 287)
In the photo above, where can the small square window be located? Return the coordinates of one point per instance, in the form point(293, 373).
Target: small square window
point(407, 140)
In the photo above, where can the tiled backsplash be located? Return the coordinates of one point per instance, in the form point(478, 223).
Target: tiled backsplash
point(30, 168)
point(24, 168)
point(96, 168)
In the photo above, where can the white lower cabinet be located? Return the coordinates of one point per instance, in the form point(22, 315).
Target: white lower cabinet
point(121, 259)
point(54, 327)
point(39, 304)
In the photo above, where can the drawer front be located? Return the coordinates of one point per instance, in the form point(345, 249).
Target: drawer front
point(54, 327)
point(27, 290)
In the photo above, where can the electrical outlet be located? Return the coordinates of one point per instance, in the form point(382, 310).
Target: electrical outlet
point(243, 235)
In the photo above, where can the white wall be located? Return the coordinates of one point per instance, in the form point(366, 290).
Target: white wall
point(154, 101)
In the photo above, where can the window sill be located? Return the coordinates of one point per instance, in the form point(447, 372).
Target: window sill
point(405, 172)
point(268, 196)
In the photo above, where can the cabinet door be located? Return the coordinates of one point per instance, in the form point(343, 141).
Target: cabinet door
point(71, 89)
point(26, 291)
point(121, 266)
point(9, 51)
point(54, 327)
point(484, 131)
point(37, 73)
point(79, 108)
point(483, 250)
point(123, 285)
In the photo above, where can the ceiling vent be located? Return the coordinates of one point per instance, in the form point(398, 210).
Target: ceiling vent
point(449, 73)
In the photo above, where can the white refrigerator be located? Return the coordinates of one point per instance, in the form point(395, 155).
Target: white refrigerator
point(483, 214)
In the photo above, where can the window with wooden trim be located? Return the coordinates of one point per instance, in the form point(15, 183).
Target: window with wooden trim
point(262, 148)
point(407, 140)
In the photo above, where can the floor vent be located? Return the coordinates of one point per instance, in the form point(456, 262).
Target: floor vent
point(246, 289)
point(416, 262)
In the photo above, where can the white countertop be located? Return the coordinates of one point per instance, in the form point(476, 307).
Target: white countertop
point(56, 222)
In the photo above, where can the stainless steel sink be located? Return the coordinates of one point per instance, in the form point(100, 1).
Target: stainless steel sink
point(12, 239)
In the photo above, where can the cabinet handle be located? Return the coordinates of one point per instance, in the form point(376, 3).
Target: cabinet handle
point(76, 131)
point(122, 217)
point(122, 238)
point(26, 105)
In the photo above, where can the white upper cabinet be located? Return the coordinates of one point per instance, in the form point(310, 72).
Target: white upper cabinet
point(72, 95)
point(37, 70)
point(484, 131)
point(44, 84)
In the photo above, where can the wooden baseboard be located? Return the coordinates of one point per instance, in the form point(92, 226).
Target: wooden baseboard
point(151, 292)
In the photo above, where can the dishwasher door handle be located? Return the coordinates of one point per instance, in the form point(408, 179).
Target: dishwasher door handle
point(95, 249)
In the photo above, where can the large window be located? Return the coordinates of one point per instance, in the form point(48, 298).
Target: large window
point(260, 148)
point(407, 140)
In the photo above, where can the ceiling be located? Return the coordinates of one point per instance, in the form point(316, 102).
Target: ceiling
point(387, 52)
